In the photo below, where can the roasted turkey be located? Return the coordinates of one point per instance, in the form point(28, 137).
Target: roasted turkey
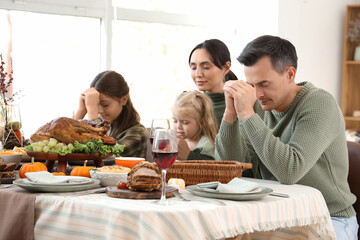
point(68, 130)
point(144, 176)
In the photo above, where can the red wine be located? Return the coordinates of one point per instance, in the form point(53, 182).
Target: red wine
point(151, 140)
point(164, 160)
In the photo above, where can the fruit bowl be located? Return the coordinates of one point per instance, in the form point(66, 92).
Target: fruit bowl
point(129, 162)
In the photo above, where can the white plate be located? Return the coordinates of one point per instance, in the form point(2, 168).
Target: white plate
point(212, 190)
point(231, 196)
point(63, 181)
point(56, 188)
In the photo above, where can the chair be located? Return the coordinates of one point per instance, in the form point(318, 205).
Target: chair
point(354, 173)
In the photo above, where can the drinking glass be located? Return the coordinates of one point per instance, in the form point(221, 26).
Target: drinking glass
point(158, 123)
point(164, 151)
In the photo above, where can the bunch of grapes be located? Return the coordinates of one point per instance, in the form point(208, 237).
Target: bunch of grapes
point(51, 146)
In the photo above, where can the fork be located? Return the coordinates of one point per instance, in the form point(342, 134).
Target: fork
point(7, 186)
point(178, 194)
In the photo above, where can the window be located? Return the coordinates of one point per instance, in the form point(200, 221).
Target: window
point(54, 58)
point(153, 58)
point(60, 46)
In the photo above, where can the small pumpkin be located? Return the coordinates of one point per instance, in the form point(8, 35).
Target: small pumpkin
point(58, 173)
point(31, 167)
point(82, 171)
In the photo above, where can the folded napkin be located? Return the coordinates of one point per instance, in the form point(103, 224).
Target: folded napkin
point(44, 177)
point(236, 185)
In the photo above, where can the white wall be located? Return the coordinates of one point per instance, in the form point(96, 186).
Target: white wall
point(316, 28)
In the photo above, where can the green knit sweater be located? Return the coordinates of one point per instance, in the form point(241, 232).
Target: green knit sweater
point(218, 100)
point(305, 144)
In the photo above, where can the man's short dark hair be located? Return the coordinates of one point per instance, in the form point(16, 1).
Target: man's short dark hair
point(281, 52)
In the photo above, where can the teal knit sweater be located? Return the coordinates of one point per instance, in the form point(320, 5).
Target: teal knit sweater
point(204, 150)
point(305, 144)
point(218, 100)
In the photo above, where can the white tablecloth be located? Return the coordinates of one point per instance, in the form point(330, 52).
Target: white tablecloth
point(97, 216)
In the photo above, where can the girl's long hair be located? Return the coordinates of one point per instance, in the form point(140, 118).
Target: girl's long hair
point(199, 106)
point(114, 85)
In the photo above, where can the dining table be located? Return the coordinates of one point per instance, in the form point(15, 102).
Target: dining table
point(301, 214)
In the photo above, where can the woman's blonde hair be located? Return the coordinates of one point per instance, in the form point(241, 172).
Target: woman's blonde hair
point(199, 106)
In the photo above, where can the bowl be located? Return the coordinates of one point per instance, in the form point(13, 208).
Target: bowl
point(12, 158)
point(108, 179)
point(129, 162)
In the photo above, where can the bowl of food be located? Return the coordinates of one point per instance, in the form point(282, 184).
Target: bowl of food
point(110, 175)
point(10, 157)
point(129, 162)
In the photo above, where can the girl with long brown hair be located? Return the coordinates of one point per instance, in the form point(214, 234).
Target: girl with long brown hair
point(108, 98)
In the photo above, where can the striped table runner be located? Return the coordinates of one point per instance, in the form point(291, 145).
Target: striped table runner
point(97, 216)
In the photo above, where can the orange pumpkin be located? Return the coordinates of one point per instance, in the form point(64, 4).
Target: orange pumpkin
point(58, 173)
point(32, 167)
point(82, 171)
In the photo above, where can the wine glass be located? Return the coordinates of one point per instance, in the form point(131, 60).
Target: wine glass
point(164, 152)
point(158, 123)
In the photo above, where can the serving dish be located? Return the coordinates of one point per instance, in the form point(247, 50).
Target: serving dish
point(63, 159)
point(107, 161)
point(67, 157)
point(129, 162)
point(12, 158)
point(108, 179)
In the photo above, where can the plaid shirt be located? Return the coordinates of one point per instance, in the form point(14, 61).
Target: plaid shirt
point(134, 139)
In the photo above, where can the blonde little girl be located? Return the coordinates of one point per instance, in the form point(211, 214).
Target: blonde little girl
point(195, 125)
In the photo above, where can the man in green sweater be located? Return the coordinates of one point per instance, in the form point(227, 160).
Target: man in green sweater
point(292, 133)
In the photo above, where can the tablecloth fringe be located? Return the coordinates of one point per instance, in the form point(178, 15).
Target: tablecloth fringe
point(271, 226)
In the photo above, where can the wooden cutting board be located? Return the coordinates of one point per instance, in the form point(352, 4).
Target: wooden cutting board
point(126, 193)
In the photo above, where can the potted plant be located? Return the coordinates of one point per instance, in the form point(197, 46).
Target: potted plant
point(9, 130)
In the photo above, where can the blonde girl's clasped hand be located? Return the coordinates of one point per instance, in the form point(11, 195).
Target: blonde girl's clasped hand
point(195, 125)
point(183, 149)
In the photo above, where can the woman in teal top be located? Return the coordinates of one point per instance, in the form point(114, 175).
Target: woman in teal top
point(210, 67)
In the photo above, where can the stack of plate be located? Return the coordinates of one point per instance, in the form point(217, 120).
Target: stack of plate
point(65, 184)
point(245, 196)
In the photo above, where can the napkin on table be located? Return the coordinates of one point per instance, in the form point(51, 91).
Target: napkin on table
point(44, 177)
point(236, 185)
